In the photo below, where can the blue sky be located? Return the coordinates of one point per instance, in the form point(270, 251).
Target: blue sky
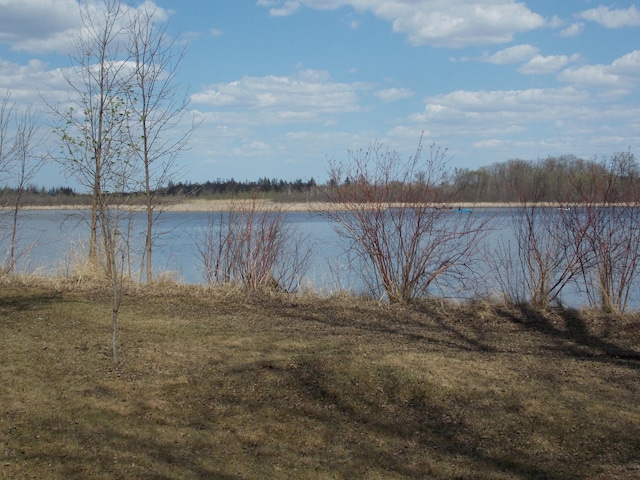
point(281, 86)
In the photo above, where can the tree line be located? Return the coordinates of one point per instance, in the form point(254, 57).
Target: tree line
point(551, 179)
point(545, 180)
point(227, 188)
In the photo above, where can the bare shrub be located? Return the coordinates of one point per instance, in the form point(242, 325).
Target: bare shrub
point(405, 236)
point(608, 221)
point(253, 246)
point(543, 259)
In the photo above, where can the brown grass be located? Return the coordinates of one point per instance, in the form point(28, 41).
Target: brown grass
point(226, 385)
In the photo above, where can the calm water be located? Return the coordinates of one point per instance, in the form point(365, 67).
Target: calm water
point(52, 240)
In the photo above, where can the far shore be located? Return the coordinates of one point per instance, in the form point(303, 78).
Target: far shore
point(267, 205)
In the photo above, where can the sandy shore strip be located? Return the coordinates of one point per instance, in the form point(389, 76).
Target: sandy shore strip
point(268, 205)
point(195, 205)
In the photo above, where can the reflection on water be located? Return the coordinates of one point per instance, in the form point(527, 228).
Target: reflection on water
point(52, 240)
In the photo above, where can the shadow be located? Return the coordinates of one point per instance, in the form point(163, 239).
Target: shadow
point(27, 301)
point(421, 426)
point(115, 450)
point(574, 337)
point(414, 324)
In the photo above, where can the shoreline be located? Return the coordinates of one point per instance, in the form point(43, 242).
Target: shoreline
point(264, 205)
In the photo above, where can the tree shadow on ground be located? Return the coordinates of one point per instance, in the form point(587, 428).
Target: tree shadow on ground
point(27, 301)
point(576, 334)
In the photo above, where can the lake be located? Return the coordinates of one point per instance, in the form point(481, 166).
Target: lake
point(52, 240)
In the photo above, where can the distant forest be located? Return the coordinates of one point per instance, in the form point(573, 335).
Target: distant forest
point(566, 178)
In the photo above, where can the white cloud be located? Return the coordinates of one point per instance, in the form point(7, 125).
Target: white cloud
point(288, 8)
point(37, 25)
point(311, 75)
point(590, 76)
point(515, 54)
point(622, 74)
point(572, 30)
point(393, 94)
point(555, 22)
point(452, 23)
point(612, 18)
point(26, 82)
point(44, 26)
point(627, 65)
point(542, 65)
point(274, 98)
point(531, 100)
point(253, 148)
point(529, 123)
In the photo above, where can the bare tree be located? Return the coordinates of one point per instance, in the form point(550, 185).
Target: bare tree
point(116, 224)
point(28, 161)
point(93, 128)
point(400, 224)
point(158, 111)
point(20, 159)
point(96, 133)
point(7, 146)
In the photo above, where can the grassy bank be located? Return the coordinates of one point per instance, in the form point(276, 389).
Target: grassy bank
point(224, 385)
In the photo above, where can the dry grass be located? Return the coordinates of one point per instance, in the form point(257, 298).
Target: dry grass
point(225, 385)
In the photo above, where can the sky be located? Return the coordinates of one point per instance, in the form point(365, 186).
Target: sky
point(282, 87)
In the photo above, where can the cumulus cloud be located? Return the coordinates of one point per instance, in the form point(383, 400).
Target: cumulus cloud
point(393, 94)
point(590, 76)
point(542, 65)
point(44, 26)
point(37, 25)
point(283, 98)
point(629, 17)
point(452, 23)
point(287, 8)
point(537, 98)
point(627, 65)
point(27, 82)
point(623, 73)
point(515, 54)
point(526, 123)
point(572, 30)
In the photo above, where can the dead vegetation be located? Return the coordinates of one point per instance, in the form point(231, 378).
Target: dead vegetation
point(220, 383)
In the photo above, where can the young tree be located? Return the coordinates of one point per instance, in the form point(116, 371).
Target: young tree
point(93, 129)
point(116, 225)
point(396, 219)
point(20, 160)
point(95, 133)
point(28, 162)
point(158, 111)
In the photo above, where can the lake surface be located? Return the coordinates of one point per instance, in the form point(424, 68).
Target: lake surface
point(52, 240)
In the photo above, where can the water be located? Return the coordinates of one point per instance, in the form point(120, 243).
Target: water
point(51, 241)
